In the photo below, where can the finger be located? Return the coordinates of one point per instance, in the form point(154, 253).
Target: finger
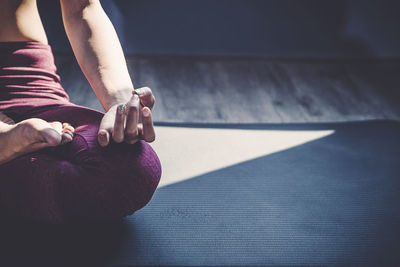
point(118, 133)
point(8, 121)
point(51, 136)
point(146, 96)
point(56, 126)
point(67, 127)
point(138, 137)
point(103, 137)
point(105, 129)
point(140, 131)
point(4, 118)
point(68, 133)
point(132, 119)
point(67, 137)
point(148, 127)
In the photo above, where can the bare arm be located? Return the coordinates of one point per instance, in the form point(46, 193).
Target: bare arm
point(98, 51)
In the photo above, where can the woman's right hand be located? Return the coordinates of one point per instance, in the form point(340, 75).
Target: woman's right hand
point(43, 133)
point(129, 122)
point(31, 135)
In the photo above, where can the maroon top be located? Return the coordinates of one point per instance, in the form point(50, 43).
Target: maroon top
point(28, 77)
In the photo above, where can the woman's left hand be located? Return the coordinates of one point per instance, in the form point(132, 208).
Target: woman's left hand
point(130, 121)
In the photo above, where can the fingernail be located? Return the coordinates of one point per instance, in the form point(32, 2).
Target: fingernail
point(139, 91)
point(67, 125)
point(120, 109)
point(103, 137)
point(146, 113)
point(135, 97)
point(70, 133)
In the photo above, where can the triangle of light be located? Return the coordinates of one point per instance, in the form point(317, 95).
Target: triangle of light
point(189, 152)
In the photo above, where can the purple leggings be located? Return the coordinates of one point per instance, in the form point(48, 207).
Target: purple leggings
point(78, 181)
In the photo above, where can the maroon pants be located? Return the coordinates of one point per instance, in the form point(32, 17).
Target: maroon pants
point(79, 180)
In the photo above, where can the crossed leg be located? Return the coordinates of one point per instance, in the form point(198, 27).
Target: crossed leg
point(79, 180)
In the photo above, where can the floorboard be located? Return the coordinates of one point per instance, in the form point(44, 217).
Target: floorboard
point(251, 90)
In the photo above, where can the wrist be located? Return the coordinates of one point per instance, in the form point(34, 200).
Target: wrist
point(121, 96)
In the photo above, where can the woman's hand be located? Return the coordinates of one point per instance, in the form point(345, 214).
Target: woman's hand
point(130, 121)
point(30, 135)
point(37, 131)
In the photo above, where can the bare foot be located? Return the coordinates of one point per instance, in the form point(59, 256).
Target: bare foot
point(30, 135)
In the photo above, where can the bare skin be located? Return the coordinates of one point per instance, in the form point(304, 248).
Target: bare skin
point(30, 135)
point(20, 21)
point(99, 53)
point(100, 56)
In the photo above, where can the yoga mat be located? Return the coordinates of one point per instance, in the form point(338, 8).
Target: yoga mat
point(332, 201)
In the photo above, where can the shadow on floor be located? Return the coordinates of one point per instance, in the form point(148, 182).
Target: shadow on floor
point(332, 201)
point(31, 244)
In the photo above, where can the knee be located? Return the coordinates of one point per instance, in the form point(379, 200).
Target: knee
point(140, 173)
point(114, 184)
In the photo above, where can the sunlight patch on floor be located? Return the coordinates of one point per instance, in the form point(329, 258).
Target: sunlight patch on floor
point(188, 152)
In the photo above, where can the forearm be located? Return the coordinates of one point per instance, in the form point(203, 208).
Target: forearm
point(98, 51)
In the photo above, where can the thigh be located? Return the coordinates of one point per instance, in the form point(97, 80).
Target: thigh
point(28, 187)
point(80, 178)
point(111, 181)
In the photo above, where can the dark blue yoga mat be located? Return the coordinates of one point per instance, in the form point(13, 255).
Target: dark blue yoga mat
point(332, 201)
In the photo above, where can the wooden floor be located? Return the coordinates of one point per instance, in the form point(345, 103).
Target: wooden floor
point(246, 90)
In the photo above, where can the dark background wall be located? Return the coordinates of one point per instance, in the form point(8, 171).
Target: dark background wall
point(266, 28)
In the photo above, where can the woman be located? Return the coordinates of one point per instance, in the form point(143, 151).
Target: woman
point(61, 162)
